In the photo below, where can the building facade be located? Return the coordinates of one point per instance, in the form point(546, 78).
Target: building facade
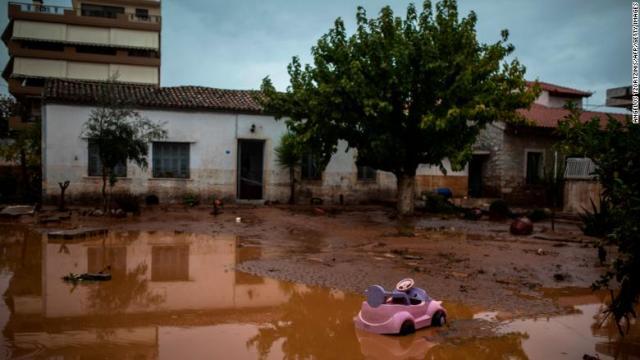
point(518, 162)
point(91, 40)
point(219, 143)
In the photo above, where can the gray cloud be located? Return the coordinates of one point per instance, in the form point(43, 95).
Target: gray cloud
point(582, 44)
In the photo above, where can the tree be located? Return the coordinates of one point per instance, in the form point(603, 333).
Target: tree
point(7, 109)
point(119, 133)
point(403, 92)
point(614, 150)
point(22, 147)
point(289, 156)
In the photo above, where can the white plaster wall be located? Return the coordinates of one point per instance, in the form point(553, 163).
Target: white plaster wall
point(553, 101)
point(213, 139)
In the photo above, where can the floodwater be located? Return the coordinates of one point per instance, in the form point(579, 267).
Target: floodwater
point(177, 295)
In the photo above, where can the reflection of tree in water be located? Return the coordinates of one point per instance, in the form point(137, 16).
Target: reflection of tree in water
point(507, 346)
point(314, 323)
point(125, 290)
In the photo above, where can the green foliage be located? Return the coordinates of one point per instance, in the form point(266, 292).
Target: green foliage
point(288, 152)
point(7, 109)
point(598, 221)
point(499, 209)
point(614, 150)
point(191, 200)
point(289, 156)
point(120, 133)
point(21, 147)
point(403, 92)
point(438, 204)
point(128, 202)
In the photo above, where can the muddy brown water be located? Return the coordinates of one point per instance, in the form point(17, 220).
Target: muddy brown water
point(177, 295)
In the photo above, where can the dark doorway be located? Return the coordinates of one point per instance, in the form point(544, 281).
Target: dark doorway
point(250, 166)
point(477, 170)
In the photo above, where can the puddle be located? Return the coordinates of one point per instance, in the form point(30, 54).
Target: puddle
point(177, 295)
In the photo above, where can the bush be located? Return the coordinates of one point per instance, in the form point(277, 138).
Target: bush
point(191, 200)
point(128, 202)
point(438, 204)
point(536, 215)
point(151, 199)
point(598, 222)
point(499, 209)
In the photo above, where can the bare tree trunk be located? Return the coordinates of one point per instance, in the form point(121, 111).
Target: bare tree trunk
point(104, 189)
point(25, 183)
point(292, 181)
point(406, 194)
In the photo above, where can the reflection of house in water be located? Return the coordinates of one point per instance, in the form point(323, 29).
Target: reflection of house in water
point(158, 279)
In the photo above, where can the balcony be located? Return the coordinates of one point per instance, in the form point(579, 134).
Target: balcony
point(70, 15)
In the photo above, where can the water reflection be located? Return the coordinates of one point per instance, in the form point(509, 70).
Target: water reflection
point(176, 295)
point(159, 280)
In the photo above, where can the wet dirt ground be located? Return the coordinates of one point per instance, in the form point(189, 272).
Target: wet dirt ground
point(186, 283)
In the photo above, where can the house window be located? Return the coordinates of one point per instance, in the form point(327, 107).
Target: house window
point(101, 10)
point(142, 14)
point(95, 164)
point(171, 160)
point(310, 168)
point(534, 167)
point(366, 173)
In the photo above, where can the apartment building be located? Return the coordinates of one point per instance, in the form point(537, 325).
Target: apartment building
point(89, 40)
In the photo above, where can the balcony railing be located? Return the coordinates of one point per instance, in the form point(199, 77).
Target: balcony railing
point(45, 9)
point(60, 10)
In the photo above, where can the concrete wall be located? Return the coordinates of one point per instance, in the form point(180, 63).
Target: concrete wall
point(555, 101)
point(213, 141)
point(579, 193)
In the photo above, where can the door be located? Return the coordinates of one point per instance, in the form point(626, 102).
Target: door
point(250, 166)
point(476, 172)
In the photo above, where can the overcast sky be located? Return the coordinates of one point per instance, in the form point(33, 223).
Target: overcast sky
point(234, 44)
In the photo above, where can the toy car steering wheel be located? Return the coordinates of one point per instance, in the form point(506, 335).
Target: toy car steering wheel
point(405, 284)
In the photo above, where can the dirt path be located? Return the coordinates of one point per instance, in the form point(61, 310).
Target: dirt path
point(473, 262)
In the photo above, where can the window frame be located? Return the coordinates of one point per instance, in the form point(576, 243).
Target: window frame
point(305, 168)
point(155, 172)
point(540, 167)
point(98, 169)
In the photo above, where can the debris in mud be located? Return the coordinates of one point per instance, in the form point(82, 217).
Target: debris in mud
point(561, 277)
point(412, 257)
point(521, 226)
point(17, 210)
point(103, 275)
point(319, 212)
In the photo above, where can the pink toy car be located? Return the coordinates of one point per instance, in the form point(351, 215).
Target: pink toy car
point(401, 311)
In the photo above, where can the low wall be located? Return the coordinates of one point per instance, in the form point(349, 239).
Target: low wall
point(578, 195)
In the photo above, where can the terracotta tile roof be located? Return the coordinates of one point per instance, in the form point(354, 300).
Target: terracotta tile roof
point(546, 117)
point(560, 90)
point(177, 97)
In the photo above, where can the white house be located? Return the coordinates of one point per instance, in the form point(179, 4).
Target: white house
point(219, 143)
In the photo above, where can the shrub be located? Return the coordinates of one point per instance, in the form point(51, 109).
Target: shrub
point(191, 199)
point(128, 202)
point(436, 203)
point(598, 222)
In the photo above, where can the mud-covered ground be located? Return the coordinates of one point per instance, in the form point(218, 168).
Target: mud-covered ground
point(477, 263)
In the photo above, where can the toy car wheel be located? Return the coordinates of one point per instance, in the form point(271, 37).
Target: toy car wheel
point(439, 319)
point(407, 327)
